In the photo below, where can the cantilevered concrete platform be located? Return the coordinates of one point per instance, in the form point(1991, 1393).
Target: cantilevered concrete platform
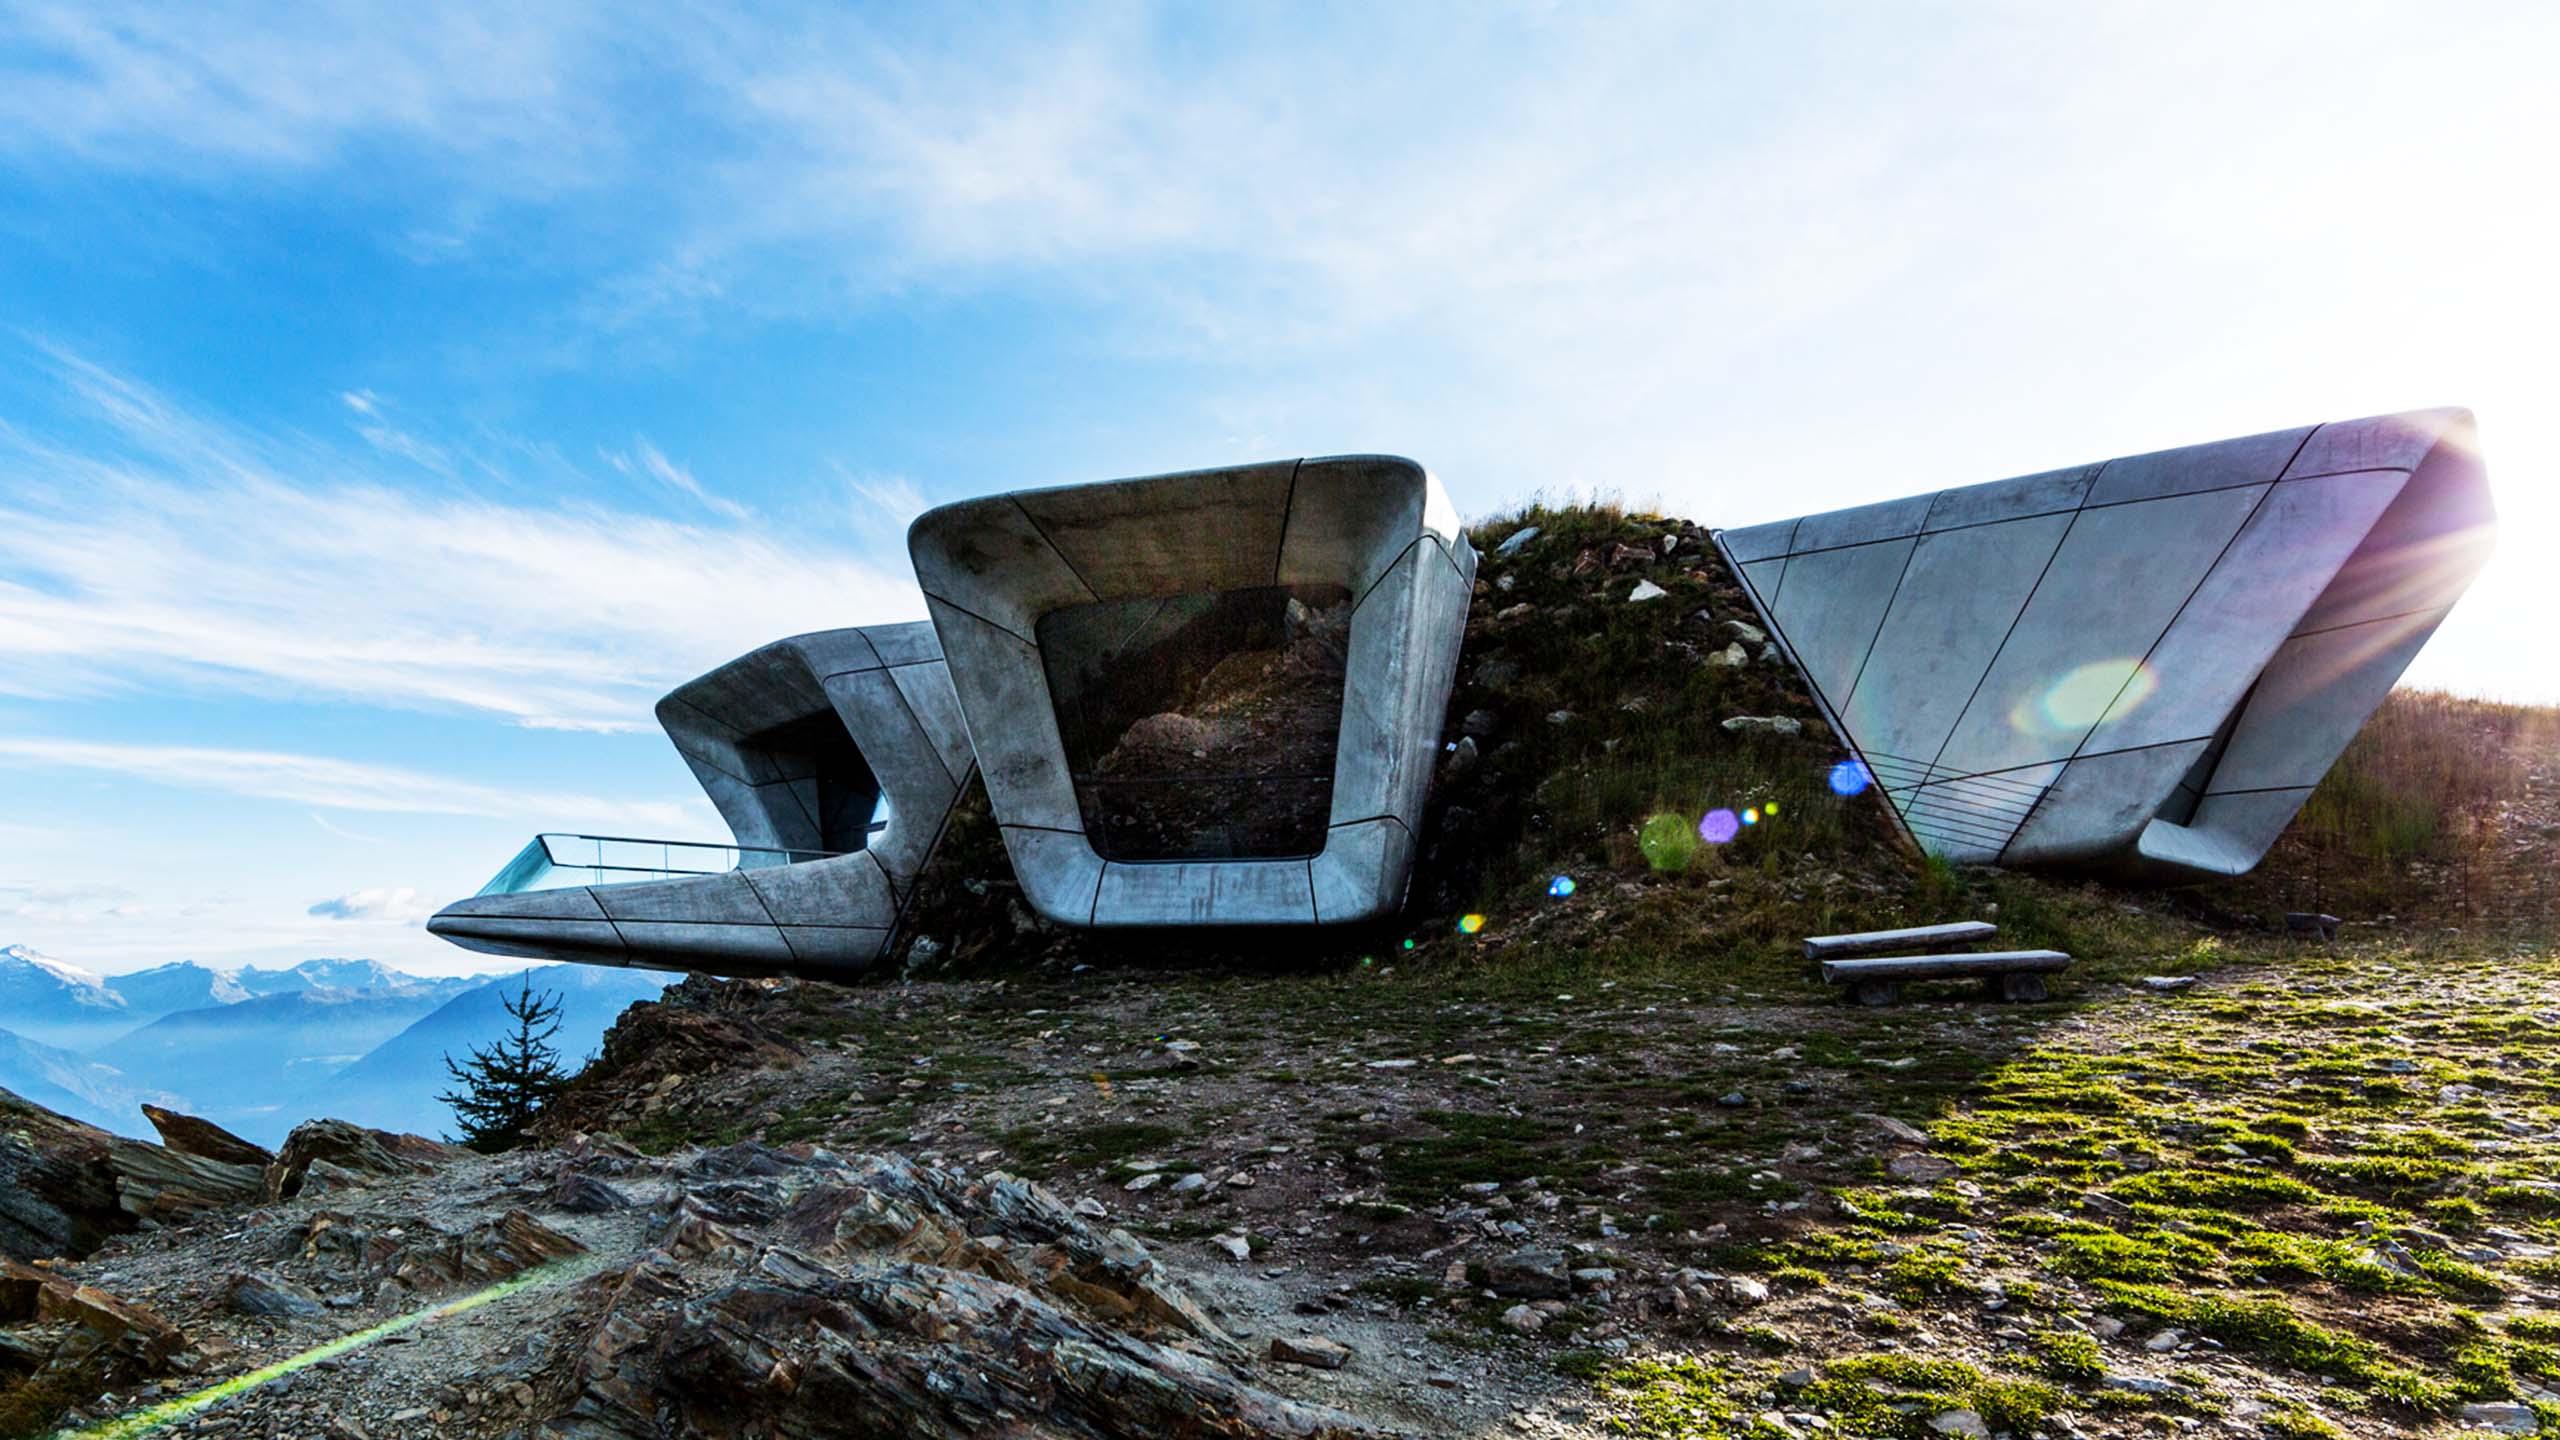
point(797, 744)
point(1148, 670)
point(2139, 667)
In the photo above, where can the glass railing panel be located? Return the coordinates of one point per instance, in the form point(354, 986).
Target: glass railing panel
point(525, 872)
point(556, 861)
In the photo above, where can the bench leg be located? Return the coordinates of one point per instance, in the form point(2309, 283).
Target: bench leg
point(1876, 992)
point(2026, 987)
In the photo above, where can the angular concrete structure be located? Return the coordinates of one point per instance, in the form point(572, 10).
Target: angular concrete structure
point(2140, 667)
point(799, 745)
point(1211, 698)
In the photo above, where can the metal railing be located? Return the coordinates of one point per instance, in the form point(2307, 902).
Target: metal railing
point(555, 861)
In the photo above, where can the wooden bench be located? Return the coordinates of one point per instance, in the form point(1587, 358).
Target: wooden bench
point(2014, 974)
point(1834, 947)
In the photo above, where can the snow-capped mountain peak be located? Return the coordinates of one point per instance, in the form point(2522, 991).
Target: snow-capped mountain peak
point(63, 971)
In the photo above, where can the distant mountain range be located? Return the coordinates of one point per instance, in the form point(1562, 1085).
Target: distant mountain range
point(258, 1051)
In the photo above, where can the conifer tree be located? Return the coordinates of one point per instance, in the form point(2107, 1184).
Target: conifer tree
point(498, 1091)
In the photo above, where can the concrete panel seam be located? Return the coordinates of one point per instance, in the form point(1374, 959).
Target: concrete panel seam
point(2070, 510)
point(2005, 636)
point(885, 665)
point(1781, 592)
point(2197, 589)
point(2358, 470)
point(2439, 611)
point(618, 937)
point(983, 620)
point(1043, 532)
point(1288, 512)
point(1382, 576)
point(1886, 613)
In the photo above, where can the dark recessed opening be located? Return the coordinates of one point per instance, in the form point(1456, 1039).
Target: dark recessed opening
point(1202, 727)
point(814, 783)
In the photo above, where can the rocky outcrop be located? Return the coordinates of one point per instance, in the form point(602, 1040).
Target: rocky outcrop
point(700, 1026)
point(414, 1252)
point(63, 1343)
point(800, 1294)
point(189, 1135)
point(65, 1187)
point(322, 1154)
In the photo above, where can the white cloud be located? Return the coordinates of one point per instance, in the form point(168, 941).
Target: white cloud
point(647, 459)
point(183, 553)
point(885, 504)
point(341, 831)
point(165, 88)
point(398, 905)
point(309, 780)
point(1756, 260)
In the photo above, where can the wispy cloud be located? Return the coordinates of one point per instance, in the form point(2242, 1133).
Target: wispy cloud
point(155, 86)
point(182, 552)
point(318, 780)
point(398, 905)
point(884, 505)
point(341, 831)
point(649, 461)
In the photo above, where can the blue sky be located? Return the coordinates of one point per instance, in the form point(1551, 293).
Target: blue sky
point(394, 402)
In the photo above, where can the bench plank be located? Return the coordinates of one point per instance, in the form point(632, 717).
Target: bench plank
point(1832, 947)
point(1943, 967)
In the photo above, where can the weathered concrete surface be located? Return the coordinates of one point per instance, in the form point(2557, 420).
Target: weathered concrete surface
point(795, 743)
point(2140, 667)
point(1378, 526)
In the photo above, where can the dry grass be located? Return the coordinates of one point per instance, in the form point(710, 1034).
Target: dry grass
point(2439, 807)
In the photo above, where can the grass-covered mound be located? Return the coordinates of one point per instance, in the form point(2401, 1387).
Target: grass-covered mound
point(1587, 738)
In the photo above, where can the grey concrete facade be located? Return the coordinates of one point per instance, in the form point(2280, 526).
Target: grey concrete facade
point(1376, 527)
point(2139, 667)
point(796, 744)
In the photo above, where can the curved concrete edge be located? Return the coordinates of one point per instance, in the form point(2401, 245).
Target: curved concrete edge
point(1379, 526)
point(824, 917)
point(886, 684)
point(1363, 872)
point(1058, 871)
point(2237, 609)
point(1204, 893)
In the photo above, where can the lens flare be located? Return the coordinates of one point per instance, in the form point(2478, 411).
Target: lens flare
point(1719, 827)
point(1850, 777)
point(1561, 886)
point(1470, 924)
point(1751, 817)
point(2084, 696)
point(1668, 842)
point(1769, 809)
point(186, 1407)
point(1408, 944)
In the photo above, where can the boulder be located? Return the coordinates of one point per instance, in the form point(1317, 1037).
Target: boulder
point(1530, 1274)
point(336, 1153)
point(270, 1297)
point(1314, 1351)
point(582, 1194)
point(189, 1135)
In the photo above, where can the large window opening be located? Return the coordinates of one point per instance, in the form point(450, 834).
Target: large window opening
point(1202, 727)
point(819, 793)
